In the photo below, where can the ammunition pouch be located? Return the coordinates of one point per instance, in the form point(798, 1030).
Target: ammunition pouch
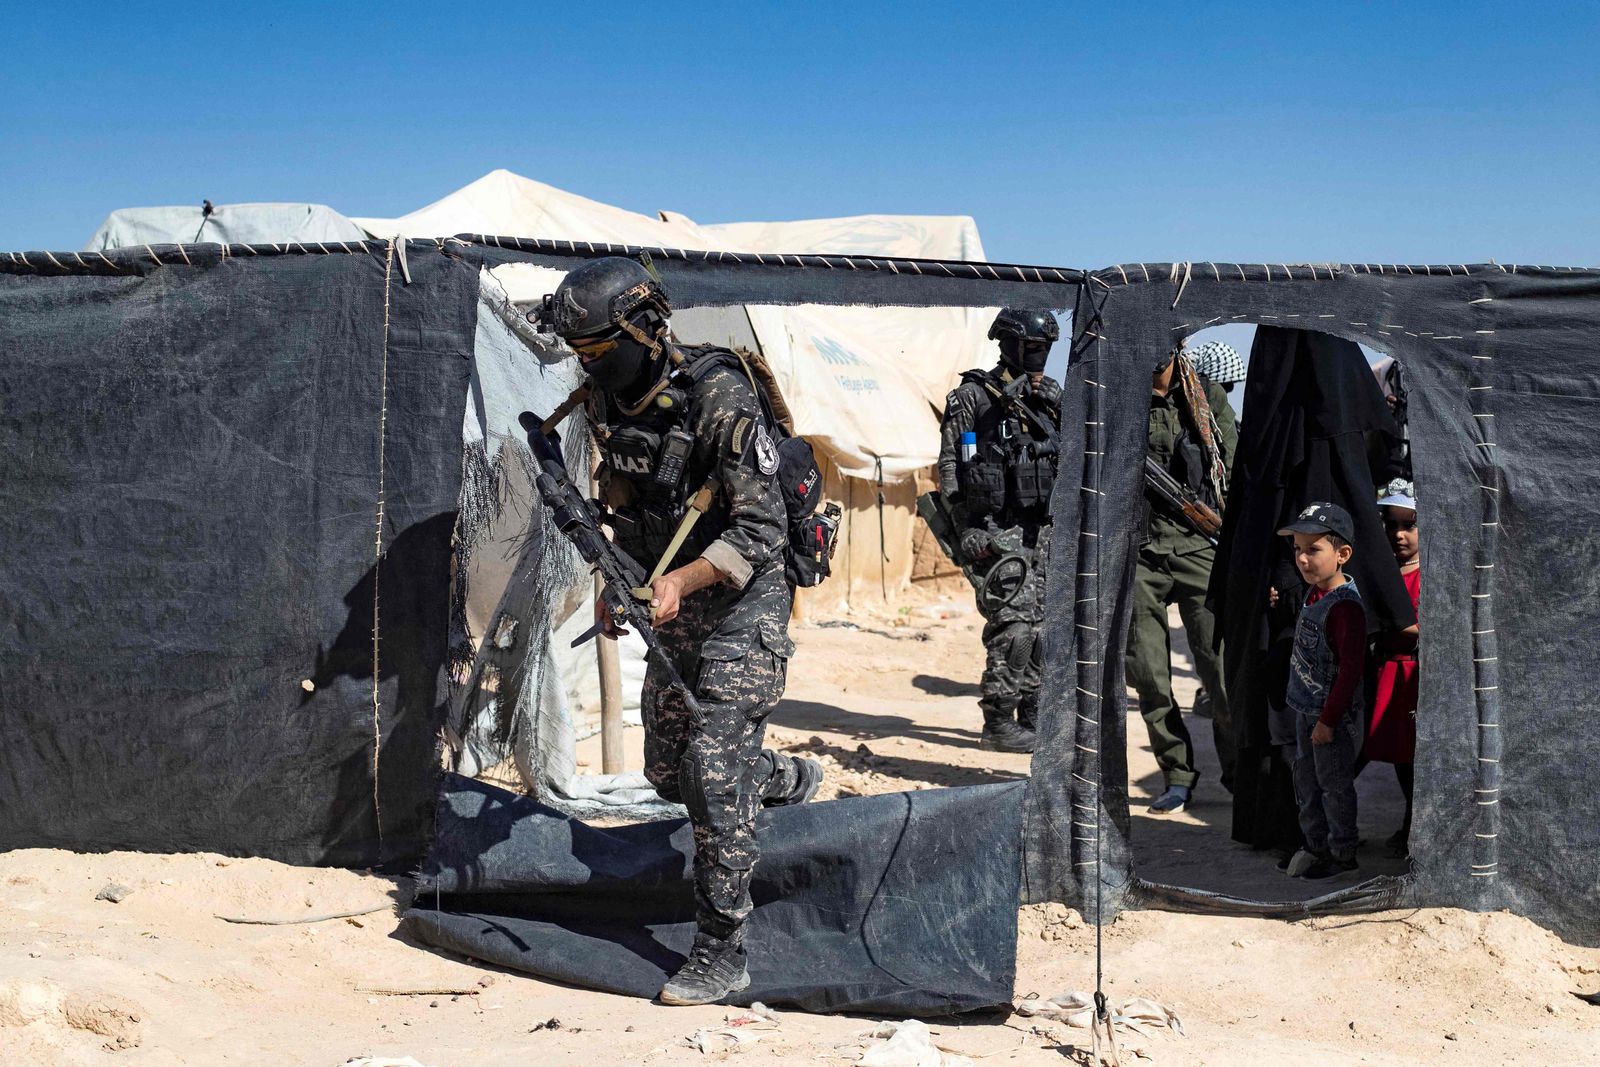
point(631, 452)
point(644, 532)
point(983, 486)
point(1188, 466)
point(1031, 479)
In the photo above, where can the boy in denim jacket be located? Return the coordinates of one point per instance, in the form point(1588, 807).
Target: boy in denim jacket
point(1327, 669)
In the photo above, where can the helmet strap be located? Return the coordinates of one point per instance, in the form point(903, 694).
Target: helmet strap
point(655, 346)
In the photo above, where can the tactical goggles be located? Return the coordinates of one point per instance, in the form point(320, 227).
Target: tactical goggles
point(589, 348)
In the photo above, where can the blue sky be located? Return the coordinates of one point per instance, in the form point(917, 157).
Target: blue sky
point(1074, 134)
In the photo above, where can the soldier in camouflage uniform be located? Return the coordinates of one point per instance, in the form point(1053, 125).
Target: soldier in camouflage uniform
point(997, 461)
point(672, 420)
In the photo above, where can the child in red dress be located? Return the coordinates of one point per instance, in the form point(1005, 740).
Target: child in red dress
point(1392, 731)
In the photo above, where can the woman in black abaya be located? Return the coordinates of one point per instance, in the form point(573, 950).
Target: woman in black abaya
point(1312, 404)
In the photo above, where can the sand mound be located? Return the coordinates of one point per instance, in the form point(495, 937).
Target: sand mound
point(45, 1019)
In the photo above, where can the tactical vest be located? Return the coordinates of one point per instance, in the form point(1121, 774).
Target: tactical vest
point(651, 475)
point(1013, 467)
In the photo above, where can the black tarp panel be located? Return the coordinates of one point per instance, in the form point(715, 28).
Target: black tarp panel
point(129, 657)
point(902, 904)
point(191, 457)
point(1504, 366)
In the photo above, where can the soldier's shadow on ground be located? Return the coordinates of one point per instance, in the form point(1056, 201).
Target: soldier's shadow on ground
point(936, 686)
point(866, 726)
point(878, 734)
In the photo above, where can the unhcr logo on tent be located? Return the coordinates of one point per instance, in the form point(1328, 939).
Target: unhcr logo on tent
point(836, 353)
point(833, 352)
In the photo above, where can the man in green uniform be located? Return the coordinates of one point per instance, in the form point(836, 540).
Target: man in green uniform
point(1191, 436)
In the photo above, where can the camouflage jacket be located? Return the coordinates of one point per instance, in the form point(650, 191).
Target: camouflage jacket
point(744, 533)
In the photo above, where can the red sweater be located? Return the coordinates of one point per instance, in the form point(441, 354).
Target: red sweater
point(1347, 636)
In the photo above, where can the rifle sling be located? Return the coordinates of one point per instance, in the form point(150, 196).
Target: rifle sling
point(567, 407)
point(699, 504)
point(1019, 409)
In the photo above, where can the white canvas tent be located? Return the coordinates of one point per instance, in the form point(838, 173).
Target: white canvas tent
point(864, 384)
point(306, 224)
point(929, 347)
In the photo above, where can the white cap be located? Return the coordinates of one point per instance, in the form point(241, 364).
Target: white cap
point(1398, 494)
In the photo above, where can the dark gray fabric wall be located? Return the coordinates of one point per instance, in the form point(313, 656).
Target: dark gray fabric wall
point(190, 457)
point(1504, 369)
point(190, 486)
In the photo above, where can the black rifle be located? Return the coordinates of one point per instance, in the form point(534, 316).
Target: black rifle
point(1030, 410)
point(623, 591)
point(1180, 503)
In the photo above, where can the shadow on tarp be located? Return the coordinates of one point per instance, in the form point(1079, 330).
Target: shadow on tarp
point(901, 904)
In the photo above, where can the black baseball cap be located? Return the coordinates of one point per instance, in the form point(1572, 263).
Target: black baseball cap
point(1323, 517)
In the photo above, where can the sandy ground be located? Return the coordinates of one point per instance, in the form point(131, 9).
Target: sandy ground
point(888, 704)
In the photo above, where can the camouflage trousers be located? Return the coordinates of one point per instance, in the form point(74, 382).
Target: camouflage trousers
point(1013, 655)
point(732, 648)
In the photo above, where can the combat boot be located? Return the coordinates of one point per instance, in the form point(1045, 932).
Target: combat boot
point(808, 779)
point(1028, 717)
point(715, 969)
point(1006, 735)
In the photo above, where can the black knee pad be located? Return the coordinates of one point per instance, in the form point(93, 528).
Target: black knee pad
point(691, 788)
point(1021, 641)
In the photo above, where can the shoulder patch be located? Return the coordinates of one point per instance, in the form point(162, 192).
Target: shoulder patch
point(766, 452)
point(739, 444)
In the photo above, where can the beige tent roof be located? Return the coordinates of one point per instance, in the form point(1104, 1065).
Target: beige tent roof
point(509, 205)
point(933, 345)
point(861, 382)
point(910, 236)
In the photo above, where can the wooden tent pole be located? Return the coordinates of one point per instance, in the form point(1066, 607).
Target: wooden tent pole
point(610, 661)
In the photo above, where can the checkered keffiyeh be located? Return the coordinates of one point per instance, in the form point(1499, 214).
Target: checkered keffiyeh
point(1218, 362)
point(1203, 421)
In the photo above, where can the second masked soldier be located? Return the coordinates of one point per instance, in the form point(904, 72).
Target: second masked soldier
point(997, 463)
point(673, 421)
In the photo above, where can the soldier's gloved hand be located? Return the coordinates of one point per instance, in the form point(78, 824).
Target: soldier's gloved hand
point(977, 544)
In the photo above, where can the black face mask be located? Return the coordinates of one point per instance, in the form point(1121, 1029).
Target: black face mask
point(1025, 357)
point(621, 371)
point(624, 368)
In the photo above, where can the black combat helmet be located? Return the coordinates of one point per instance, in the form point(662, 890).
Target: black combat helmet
point(613, 313)
point(1025, 336)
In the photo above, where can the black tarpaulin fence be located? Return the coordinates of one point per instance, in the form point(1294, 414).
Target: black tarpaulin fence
point(227, 521)
point(901, 904)
point(1504, 364)
point(192, 437)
